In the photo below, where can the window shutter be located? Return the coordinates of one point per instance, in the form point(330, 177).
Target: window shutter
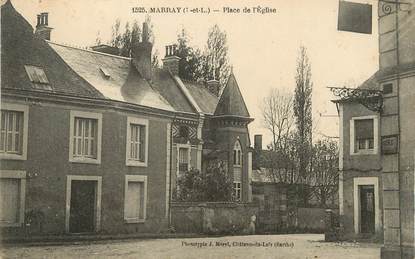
point(143, 143)
point(364, 129)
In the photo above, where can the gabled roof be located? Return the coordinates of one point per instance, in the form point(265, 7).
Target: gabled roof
point(204, 99)
point(19, 47)
point(113, 76)
point(231, 102)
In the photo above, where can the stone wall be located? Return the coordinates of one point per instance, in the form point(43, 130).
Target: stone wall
point(213, 217)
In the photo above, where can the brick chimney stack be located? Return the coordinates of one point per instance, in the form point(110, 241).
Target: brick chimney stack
point(258, 142)
point(42, 27)
point(141, 54)
point(171, 60)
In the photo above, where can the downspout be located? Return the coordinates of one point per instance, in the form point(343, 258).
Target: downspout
point(170, 171)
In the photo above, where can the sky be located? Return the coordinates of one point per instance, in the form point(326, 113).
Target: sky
point(263, 48)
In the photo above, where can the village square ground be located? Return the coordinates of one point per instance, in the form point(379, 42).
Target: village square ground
point(264, 246)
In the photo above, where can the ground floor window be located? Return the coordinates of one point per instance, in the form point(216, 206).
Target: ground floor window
point(12, 198)
point(135, 198)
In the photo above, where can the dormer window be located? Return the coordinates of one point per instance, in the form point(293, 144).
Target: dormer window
point(38, 77)
point(105, 72)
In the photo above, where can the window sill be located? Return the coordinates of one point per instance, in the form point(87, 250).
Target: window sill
point(84, 160)
point(364, 152)
point(12, 156)
point(136, 163)
point(237, 165)
point(132, 221)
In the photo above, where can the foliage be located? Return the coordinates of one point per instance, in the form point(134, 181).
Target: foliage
point(325, 173)
point(212, 185)
point(212, 63)
point(190, 66)
point(302, 111)
point(216, 60)
point(124, 39)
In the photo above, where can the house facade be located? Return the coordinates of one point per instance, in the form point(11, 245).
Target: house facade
point(377, 142)
point(94, 142)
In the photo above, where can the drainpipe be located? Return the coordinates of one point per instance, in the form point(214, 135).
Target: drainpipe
point(170, 184)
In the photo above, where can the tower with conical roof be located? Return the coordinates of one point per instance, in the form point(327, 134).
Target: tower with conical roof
point(230, 120)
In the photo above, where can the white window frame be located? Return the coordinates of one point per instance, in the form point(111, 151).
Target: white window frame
point(375, 136)
point(18, 108)
point(129, 161)
point(86, 115)
point(188, 147)
point(141, 179)
point(16, 174)
point(358, 181)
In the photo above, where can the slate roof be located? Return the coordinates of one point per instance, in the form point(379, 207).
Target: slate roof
point(113, 76)
point(231, 102)
point(204, 99)
point(372, 82)
point(85, 73)
point(19, 47)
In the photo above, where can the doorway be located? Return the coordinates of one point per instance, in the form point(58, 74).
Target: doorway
point(367, 209)
point(83, 204)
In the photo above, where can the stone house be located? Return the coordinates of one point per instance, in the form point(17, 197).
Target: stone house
point(377, 142)
point(93, 142)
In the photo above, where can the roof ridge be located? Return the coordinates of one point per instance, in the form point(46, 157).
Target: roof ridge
point(87, 50)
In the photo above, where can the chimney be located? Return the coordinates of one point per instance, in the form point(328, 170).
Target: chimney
point(213, 86)
point(171, 60)
point(42, 29)
point(258, 142)
point(141, 54)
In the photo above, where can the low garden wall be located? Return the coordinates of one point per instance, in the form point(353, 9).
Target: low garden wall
point(213, 217)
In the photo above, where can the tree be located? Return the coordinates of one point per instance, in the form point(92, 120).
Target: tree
point(212, 185)
point(325, 173)
point(190, 66)
point(125, 39)
point(278, 118)
point(302, 111)
point(216, 59)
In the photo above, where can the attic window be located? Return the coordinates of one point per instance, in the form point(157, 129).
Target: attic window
point(105, 73)
point(38, 77)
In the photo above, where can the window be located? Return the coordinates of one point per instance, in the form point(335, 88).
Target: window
point(137, 142)
point(237, 191)
point(183, 160)
point(13, 131)
point(387, 88)
point(12, 197)
point(135, 200)
point(364, 136)
point(85, 140)
point(237, 154)
point(38, 77)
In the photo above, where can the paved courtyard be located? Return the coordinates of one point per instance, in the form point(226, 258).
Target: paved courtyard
point(271, 246)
